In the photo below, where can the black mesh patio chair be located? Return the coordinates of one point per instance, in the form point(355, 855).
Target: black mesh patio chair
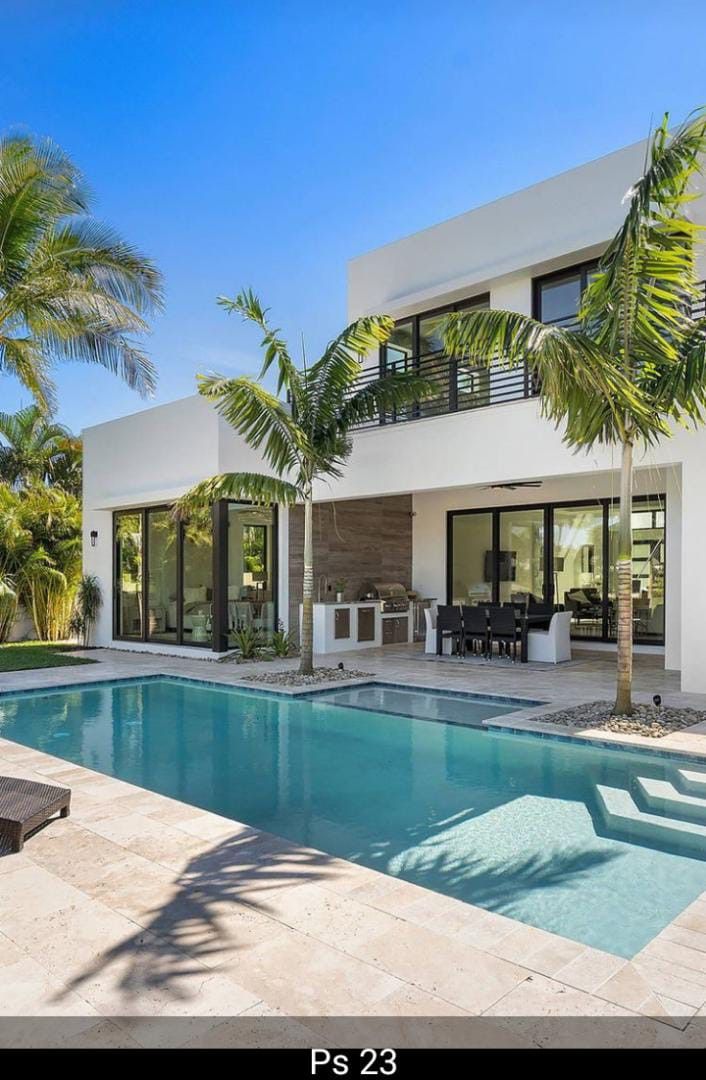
point(448, 625)
point(475, 629)
point(505, 629)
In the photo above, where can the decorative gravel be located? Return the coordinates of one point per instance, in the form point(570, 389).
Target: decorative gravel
point(321, 675)
point(651, 721)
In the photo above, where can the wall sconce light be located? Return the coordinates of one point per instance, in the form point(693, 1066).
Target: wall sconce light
point(94, 537)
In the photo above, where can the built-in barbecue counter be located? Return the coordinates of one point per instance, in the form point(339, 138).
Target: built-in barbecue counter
point(384, 618)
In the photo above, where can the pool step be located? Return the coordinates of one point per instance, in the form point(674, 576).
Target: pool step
point(663, 797)
point(626, 821)
point(691, 781)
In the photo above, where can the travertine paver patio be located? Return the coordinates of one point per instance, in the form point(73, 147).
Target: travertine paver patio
point(138, 908)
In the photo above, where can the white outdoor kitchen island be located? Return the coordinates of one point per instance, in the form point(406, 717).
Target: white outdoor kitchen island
point(358, 625)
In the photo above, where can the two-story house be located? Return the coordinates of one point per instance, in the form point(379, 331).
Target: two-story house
point(471, 495)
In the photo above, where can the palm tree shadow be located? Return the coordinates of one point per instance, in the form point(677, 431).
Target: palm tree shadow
point(178, 937)
point(236, 876)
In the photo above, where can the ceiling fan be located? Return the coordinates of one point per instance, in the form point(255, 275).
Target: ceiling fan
point(514, 484)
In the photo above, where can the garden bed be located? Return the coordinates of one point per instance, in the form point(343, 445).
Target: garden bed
point(651, 721)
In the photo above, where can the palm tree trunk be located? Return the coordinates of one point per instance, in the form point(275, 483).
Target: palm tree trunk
point(623, 700)
point(306, 664)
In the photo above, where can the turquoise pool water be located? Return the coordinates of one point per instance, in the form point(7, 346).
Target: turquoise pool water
point(505, 821)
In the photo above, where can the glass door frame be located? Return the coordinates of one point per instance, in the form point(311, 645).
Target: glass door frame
point(548, 508)
point(219, 578)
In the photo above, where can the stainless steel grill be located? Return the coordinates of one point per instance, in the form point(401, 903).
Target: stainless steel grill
point(391, 595)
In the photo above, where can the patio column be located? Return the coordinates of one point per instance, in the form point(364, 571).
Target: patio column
point(693, 575)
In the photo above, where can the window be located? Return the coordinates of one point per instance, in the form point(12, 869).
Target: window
point(416, 345)
point(520, 556)
point(251, 586)
point(471, 565)
point(197, 572)
point(162, 539)
point(128, 573)
point(557, 297)
point(648, 564)
point(564, 554)
point(578, 566)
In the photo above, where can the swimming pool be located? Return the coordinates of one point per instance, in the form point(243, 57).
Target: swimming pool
point(511, 822)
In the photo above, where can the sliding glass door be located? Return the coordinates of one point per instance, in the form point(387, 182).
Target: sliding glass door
point(520, 556)
point(471, 567)
point(251, 565)
point(562, 554)
point(648, 566)
point(162, 542)
point(578, 567)
point(195, 582)
point(128, 575)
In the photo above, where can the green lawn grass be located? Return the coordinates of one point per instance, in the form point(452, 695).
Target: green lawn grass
point(25, 655)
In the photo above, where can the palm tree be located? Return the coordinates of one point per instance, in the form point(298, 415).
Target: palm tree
point(70, 288)
point(637, 362)
point(35, 448)
point(308, 438)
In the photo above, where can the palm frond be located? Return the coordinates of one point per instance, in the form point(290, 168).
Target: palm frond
point(247, 304)
point(385, 395)
point(580, 386)
point(637, 305)
point(333, 376)
point(258, 416)
point(24, 358)
point(257, 488)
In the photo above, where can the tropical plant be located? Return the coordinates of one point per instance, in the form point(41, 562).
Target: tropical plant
point(249, 641)
point(35, 448)
point(70, 287)
point(637, 363)
point(40, 552)
point(308, 438)
point(89, 599)
point(282, 642)
point(8, 607)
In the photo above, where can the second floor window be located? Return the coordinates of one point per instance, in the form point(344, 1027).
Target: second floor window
point(557, 297)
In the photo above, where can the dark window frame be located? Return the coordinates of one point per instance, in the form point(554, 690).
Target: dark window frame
point(416, 356)
point(219, 576)
point(549, 507)
point(582, 270)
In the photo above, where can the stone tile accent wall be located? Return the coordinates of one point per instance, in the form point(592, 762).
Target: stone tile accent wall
point(360, 540)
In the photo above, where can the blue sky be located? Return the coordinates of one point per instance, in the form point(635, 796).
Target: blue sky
point(264, 144)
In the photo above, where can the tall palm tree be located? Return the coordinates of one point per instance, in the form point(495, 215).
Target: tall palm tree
point(637, 363)
point(70, 287)
point(308, 438)
point(36, 448)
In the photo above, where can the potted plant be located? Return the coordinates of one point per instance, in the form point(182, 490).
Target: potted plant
point(340, 587)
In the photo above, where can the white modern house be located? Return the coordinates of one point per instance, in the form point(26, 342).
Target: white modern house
point(469, 496)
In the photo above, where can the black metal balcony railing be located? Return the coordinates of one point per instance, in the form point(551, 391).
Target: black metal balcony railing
point(461, 388)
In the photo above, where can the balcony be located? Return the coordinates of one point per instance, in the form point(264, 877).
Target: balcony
point(461, 388)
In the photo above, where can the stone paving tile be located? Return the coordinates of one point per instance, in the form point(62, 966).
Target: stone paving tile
point(305, 977)
point(549, 1013)
point(27, 989)
point(460, 974)
point(342, 922)
point(259, 1027)
point(632, 988)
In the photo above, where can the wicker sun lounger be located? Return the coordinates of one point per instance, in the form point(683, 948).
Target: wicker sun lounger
point(25, 805)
